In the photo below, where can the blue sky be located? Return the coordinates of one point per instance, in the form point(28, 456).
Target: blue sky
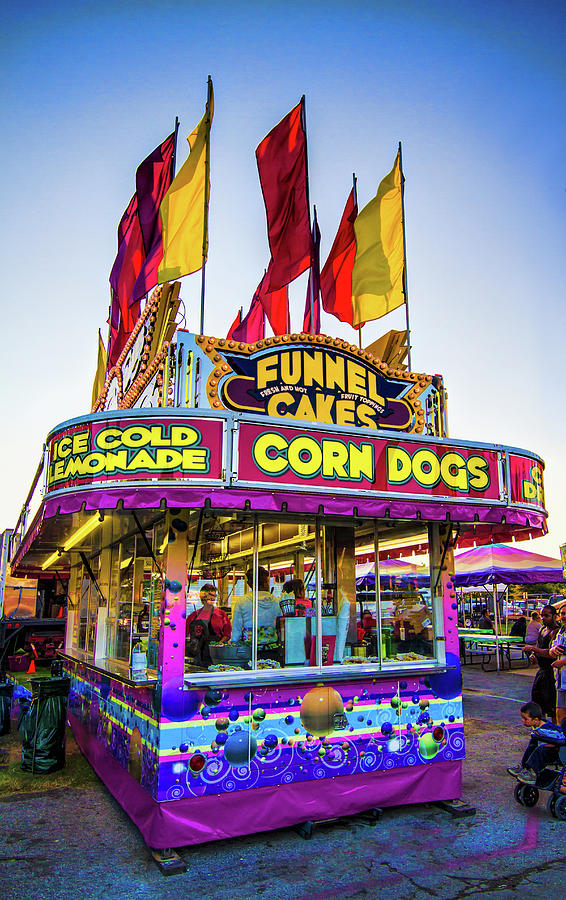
point(475, 91)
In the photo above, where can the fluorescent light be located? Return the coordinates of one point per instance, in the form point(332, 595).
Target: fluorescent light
point(86, 529)
point(82, 532)
point(50, 560)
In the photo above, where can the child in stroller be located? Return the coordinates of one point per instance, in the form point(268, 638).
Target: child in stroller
point(544, 762)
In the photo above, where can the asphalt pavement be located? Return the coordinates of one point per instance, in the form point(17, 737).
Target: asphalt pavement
point(69, 839)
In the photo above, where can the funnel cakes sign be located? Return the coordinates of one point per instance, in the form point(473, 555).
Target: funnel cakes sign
point(308, 378)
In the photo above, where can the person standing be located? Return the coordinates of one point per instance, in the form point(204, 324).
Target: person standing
point(267, 613)
point(533, 628)
point(544, 685)
point(485, 623)
point(558, 655)
point(209, 623)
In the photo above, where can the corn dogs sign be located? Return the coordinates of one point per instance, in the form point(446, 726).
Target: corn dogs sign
point(289, 456)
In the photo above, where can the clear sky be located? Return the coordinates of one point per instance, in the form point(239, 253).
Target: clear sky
point(476, 91)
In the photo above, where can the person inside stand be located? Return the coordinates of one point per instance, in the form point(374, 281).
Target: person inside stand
point(533, 628)
point(209, 623)
point(143, 618)
point(537, 755)
point(544, 687)
point(558, 655)
point(485, 623)
point(519, 628)
point(296, 588)
point(267, 612)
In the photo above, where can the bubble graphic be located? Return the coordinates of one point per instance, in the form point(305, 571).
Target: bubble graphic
point(197, 762)
point(428, 747)
point(238, 746)
point(318, 709)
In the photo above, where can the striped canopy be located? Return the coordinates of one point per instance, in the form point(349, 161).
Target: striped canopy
point(499, 564)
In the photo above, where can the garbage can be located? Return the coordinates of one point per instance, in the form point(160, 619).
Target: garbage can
point(43, 725)
point(6, 691)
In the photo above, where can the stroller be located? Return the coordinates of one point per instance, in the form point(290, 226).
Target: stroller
point(552, 778)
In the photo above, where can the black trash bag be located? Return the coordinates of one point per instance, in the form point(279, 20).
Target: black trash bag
point(43, 725)
point(6, 691)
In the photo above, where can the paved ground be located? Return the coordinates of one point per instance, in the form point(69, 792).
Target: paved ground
point(67, 838)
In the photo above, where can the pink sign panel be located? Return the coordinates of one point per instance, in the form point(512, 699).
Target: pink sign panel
point(94, 451)
point(300, 458)
point(526, 483)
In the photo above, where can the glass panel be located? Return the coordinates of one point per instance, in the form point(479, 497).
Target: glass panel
point(88, 605)
point(215, 567)
point(405, 596)
point(287, 604)
point(126, 577)
point(348, 626)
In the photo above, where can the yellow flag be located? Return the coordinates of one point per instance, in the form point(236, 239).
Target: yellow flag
point(100, 376)
point(184, 209)
point(377, 276)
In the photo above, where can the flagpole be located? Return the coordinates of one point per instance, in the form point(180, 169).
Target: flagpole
point(405, 286)
point(174, 157)
point(206, 199)
point(312, 273)
point(355, 186)
point(304, 124)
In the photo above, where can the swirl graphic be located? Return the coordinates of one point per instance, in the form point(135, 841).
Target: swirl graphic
point(410, 760)
point(448, 754)
point(389, 763)
point(455, 741)
point(288, 777)
point(215, 771)
point(335, 758)
point(319, 772)
point(175, 792)
point(368, 762)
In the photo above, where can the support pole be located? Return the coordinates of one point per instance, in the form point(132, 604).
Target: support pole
point(405, 284)
point(206, 201)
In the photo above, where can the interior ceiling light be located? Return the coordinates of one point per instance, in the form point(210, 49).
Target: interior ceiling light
point(87, 528)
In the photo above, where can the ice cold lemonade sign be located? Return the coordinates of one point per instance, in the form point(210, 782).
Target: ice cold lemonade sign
point(124, 450)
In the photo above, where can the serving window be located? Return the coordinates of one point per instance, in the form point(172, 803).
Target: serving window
point(287, 593)
point(259, 592)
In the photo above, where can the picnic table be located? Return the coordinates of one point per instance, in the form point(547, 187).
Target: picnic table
point(486, 645)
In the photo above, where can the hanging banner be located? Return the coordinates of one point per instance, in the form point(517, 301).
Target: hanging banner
point(131, 449)
point(331, 460)
point(526, 483)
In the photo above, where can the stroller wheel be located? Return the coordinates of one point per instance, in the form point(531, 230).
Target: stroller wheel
point(526, 794)
point(559, 811)
point(550, 804)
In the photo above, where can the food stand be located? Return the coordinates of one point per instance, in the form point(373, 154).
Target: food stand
point(295, 457)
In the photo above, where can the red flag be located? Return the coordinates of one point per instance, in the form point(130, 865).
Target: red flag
point(251, 328)
point(282, 165)
point(235, 324)
point(275, 303)
point(153, 178)
point(336, 275)
point(139, 246)
point(313, 286)
point(125, 270)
